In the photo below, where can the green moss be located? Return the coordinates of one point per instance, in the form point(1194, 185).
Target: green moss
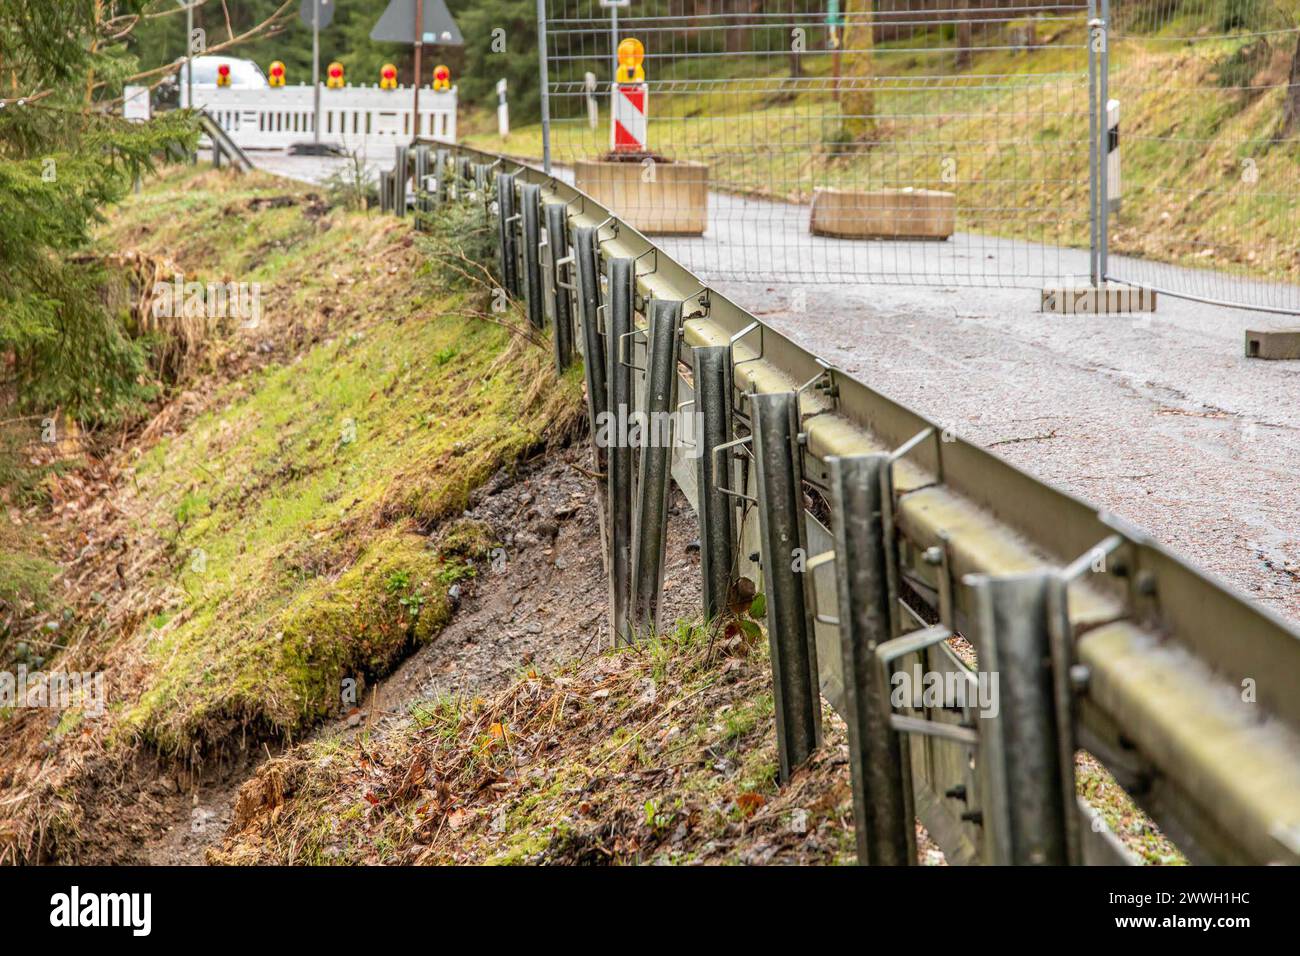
point(466, 538)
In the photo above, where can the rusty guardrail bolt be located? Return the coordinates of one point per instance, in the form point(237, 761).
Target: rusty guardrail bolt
point(956, 793)
point(974, 816)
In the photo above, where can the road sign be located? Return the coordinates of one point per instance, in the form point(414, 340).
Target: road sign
point(326, 12)
point(397, 25)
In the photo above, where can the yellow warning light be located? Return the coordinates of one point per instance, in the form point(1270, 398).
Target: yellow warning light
point(441, 78)
point(277, 74)
point(223, 74)
point(630, 55)
point(388, 77)
point(334, 76)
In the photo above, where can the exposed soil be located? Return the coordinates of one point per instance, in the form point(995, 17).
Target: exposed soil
point(539, 599)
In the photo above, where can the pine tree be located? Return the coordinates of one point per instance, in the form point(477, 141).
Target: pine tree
point(64, 156)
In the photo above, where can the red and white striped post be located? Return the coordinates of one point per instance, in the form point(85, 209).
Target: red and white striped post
point(630, 101)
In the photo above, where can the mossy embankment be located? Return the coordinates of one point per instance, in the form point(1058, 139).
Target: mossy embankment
point(263, 546)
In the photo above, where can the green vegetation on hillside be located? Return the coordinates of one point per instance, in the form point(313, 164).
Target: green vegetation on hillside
point(266, 550)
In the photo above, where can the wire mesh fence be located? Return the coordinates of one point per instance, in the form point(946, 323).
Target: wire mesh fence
point(945, 142)
point(930, 141)
point(1209, 205)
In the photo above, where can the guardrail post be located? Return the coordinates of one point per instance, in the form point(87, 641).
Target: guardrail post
point(622, 285)
point(657, 426)
point(385, 190)
point(711, 372)
point(557, 239)
point(506, 233)
point(442, 170)
point(782, 541)
point(423, 205)
point(1020, 753)
point(400, 171)
point(883, 825)
point(530, 207)
point(593, 343)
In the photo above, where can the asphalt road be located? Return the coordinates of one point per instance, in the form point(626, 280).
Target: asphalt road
point(1159, 418)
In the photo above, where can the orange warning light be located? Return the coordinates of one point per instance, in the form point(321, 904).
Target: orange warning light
point(630, 56)
point(441, 78)
point(388, 77)
point(277, 74)
point(223, 74)
point(334, 75)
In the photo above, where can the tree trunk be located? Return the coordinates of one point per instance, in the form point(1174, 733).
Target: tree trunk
point(857, 97)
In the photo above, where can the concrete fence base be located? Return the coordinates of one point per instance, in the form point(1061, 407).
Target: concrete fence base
point(655, 198)
point(884, 214)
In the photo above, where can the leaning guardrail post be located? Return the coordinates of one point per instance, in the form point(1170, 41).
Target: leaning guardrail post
point(882, 824)
point(618, 374)
point(593, 342)
point(651, 525)
point(530, 208)
point(1020, 756)
point(711, 373)
point(557, 238)
point(400, 171)
point(783, 546)
point(506, 218)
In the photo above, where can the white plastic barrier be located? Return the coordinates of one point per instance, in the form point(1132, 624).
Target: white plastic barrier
point(365, 118)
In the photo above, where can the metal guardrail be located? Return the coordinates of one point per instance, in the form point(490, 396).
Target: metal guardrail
point(1101, 639)
point(223, 147)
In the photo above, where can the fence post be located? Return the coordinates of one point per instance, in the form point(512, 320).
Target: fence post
point(782, 541)
point(544, 82)
point(530, 202)
point(1020, 754)
point(660, 406)
point(400, 171)
point(618, 375)
point(886, 835)
point(1094, 146)
point(557, 238)
point(1103, 153)
point(711, 372)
